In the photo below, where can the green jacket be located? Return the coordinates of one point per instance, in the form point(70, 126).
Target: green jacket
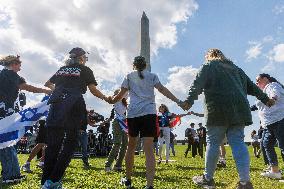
point(225, 87)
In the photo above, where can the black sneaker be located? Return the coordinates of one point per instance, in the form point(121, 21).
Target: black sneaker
point(203, 182)
point(126, 182)
point(247, 185)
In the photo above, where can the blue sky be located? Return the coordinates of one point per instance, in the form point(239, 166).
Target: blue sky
point(230, 26)
point(251, 33)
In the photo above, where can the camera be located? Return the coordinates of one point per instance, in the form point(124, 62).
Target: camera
point(95, 117)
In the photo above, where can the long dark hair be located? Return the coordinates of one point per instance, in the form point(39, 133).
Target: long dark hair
point(140, 65)
point(165, 108)
point(253, 133)
point(270, 79)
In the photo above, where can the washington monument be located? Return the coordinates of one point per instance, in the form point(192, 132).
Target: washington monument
point(145, 40)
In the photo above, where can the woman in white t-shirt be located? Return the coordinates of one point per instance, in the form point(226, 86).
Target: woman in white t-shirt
point(273, 120)
point(119, 146)
point(141, 115)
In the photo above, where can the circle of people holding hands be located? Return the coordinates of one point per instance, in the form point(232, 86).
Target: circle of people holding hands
point(227, 112)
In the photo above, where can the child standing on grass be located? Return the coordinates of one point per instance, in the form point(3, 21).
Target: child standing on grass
point(255, 143)
point(141, 116)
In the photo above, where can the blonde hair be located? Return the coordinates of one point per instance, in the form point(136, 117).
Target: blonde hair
point(215, 54)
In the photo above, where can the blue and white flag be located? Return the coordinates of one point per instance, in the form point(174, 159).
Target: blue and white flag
point(13, 127)
point(123, 124)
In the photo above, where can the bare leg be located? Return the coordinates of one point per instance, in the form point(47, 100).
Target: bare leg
point(129, 156)
point(35, 150)
point(150, 160)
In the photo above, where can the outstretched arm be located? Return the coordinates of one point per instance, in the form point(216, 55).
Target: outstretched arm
point(162, 89)
point(33, 89)
point(120, 95)
point(49, 85)
point(196, 114)
point(182, 115)
point(93, 89)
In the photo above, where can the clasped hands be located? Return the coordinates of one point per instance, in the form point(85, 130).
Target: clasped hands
point(184, 105)
point(108, 99)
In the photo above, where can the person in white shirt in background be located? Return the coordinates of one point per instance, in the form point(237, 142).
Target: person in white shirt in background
point(119, 135)
point(273, 120)
point(255, 143)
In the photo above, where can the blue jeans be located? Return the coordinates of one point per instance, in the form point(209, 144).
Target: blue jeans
point(235, 135)
point(10, 164)
point(273, 133)
point(83, 140)
point(266, 162)
point(172, 146)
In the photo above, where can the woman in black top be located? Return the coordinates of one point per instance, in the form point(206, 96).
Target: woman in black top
point(10, 85)
point(66, 112)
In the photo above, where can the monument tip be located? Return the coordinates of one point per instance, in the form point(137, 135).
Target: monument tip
point(144, 14)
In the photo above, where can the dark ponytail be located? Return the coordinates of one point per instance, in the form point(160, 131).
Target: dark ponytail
point(270, 79)
point(140, 65)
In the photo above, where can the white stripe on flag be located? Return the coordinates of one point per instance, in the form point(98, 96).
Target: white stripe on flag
point(13, 127)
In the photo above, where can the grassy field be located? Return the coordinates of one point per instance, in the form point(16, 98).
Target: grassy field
point(176, 174)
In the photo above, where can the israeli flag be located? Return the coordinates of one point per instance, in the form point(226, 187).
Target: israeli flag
point(122, 124)
point(13, 127)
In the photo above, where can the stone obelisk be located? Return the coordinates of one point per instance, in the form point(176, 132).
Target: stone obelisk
point(145, 40)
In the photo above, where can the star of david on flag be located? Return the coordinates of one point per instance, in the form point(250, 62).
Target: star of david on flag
point(13, 127)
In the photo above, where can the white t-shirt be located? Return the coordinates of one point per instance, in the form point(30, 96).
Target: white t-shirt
point(275, 113)
point(119, 110)
point(141, 93)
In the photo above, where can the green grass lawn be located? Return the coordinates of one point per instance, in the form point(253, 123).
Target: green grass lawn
point(173, 175)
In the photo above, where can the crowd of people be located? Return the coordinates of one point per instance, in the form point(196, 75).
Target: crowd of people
point(227, 113)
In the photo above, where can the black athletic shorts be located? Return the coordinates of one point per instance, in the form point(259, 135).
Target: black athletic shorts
point(146, 126)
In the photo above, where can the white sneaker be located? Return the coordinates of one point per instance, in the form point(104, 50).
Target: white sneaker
point(272, 175)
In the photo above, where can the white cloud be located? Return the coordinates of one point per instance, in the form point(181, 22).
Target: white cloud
point(43, 32)
point(278, 9)
point(277, 53)
point(254, 51)
point(179, 80)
